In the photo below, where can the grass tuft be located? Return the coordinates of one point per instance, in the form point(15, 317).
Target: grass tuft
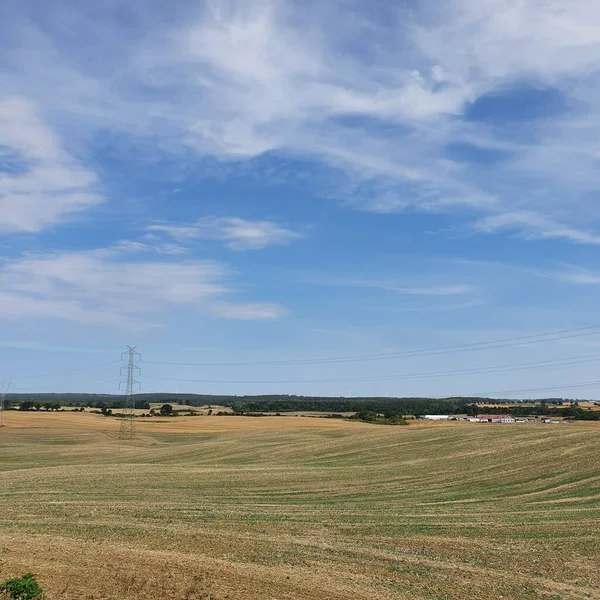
point(22, 588)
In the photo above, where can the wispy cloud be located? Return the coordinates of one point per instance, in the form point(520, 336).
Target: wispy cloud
point(237, 234)
point(535, 226)
point(390, 285)
point(93, 288)
point(40, 183)
point(443, 290)
point(237, 80)
point(577, 275)
point(136, 246)
point(441, 307)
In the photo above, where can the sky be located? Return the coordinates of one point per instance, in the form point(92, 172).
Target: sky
point(250, 190)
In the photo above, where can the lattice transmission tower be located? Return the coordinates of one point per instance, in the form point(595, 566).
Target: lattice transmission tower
point(127, 431)
point(6, 385)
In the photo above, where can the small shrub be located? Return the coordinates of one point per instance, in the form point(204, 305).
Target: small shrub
point(22, 588)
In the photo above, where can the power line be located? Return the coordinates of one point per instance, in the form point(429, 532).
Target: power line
point(588, 358)
point(581, 385)
point(485, 345)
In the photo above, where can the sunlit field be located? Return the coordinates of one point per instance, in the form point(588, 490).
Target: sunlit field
point(299, 508)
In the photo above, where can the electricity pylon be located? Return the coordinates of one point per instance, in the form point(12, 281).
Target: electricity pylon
point(7, 385)
point(127, 431)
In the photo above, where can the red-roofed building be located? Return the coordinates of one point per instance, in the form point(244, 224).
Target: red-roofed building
point(496, 418)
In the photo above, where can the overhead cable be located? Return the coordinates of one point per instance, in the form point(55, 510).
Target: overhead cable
point(484, 345)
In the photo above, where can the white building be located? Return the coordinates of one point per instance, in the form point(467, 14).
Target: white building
point(495, 419)
point(437, 417)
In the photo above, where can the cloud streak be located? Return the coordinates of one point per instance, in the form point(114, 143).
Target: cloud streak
point(535, 226)
point(577, 275)
point(237, 80)
point(40, 183)
point(430, 287)
point(96, 289)
point(235, 233)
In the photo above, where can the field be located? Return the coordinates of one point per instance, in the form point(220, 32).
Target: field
point(284, 508)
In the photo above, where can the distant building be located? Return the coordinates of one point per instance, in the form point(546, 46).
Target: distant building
point(495, 418)
point(437, 417)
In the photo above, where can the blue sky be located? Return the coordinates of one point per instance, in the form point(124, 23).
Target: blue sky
point(262, 181)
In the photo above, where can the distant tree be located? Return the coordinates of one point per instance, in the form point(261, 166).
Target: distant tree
point(210, 411)
point(365, 415)
point(166, 409)
point(472, 410)
point(27, 405)
point(152, 412)
point(396, 419)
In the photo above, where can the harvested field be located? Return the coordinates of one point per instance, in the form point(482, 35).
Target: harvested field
point(200, 424)
point(299, 508)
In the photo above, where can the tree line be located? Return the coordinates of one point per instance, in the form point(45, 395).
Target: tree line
point(288, 403)
point(57, 404)
point(543, 408)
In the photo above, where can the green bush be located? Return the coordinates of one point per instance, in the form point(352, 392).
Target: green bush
point(22, 588)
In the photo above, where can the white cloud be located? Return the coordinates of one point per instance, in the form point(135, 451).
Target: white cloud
point(45, 183)
point(577, 275)
point(442, 307)
point(391, 285)
point(503, 39)
point(249, 312)
point(239, 79)
point(535, 226)
point(135, 246)
point(442, 290)
point(92, 288)
point(274, 81)
point(237, 234)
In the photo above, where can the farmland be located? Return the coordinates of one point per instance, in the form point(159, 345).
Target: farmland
point(299, 508)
